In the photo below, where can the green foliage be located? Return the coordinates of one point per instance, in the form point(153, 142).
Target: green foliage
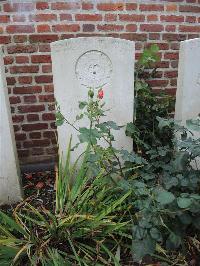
point(85, 228)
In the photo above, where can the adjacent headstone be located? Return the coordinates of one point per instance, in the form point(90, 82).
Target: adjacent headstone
point(10, 191)
point(106, 63)
point(188, 86)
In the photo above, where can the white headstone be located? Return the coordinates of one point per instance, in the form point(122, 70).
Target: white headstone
point(10, 191)
point(95, 62)
point(188, 86)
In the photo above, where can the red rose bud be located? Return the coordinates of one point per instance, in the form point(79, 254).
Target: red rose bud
point(100, 94)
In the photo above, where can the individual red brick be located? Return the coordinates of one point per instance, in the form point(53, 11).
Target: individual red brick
point(20, 38)
point(53, 125)
point(152, 17)
point(171, 55)
point(134, 36)
point(20, 29)
point(43, 38)
point(189, 8)
point(19, 18)
point(131, 6)
point(88, 17)
point(87, 5)
point(44, 48)
point(27, 90)
point(5, 39)
point(23, 153)
point(44, 79)
point(10, 80)
point(43, 28)
point(151, 7)
point(110, 6)
point(22, 59)
point(173, 37)
point(158, 83)
point(24, 69)
point(172, 18)
point(48, 116)
point(151, 27)
point(161, 45)
point(162, 64)
point(37, 126)
point(21, 7)
point(41, 59)
point(192, 36)
point(20, 48)
point(66, 28)
point(110, 27)
point(110, 17)
point(171, 74)
point(88, 27)
point(30, 99)
point(36, 143)
point(32, 117)
point(8, 60)
point(68, 36)
point(4, 18)
point(134, 17)
point(65, 6)
point(14, 99)
point(20, 136)
point(171, 7)
point(43, 17)
point(184, 28)
point(131, 27)
point(37, 151)
point(67, 17)
point(47, 68)
point(170, 28)
point(175, 46)
point(49, 88)
point(46, 98)
point(49, 134)
point(190, 19)
point(25, 79)
point(35, 135)
point(17, 118)
point(31, 108)
point(42, 5)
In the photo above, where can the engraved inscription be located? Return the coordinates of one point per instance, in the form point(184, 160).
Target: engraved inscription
point(93, 69)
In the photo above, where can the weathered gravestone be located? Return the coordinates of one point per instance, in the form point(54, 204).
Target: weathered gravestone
point(81, 63)
point(9, 171)
point(188, 87)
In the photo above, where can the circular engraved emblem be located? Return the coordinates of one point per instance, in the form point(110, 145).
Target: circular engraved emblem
point(93, 69)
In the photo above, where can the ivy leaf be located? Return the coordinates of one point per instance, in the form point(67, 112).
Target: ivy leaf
point(59, 119)
point(193, 124)
point(184, 203)
point(155, 234)
point(143, 247)
point(165, 197)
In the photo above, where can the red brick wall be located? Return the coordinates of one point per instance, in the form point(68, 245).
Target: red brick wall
point(27, 28)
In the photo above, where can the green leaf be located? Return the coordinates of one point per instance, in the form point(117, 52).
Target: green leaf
point(155, 234)
point(82, 105)
point(165, 197)
point(184, 202)
point(193, 124)
point(143, 247)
